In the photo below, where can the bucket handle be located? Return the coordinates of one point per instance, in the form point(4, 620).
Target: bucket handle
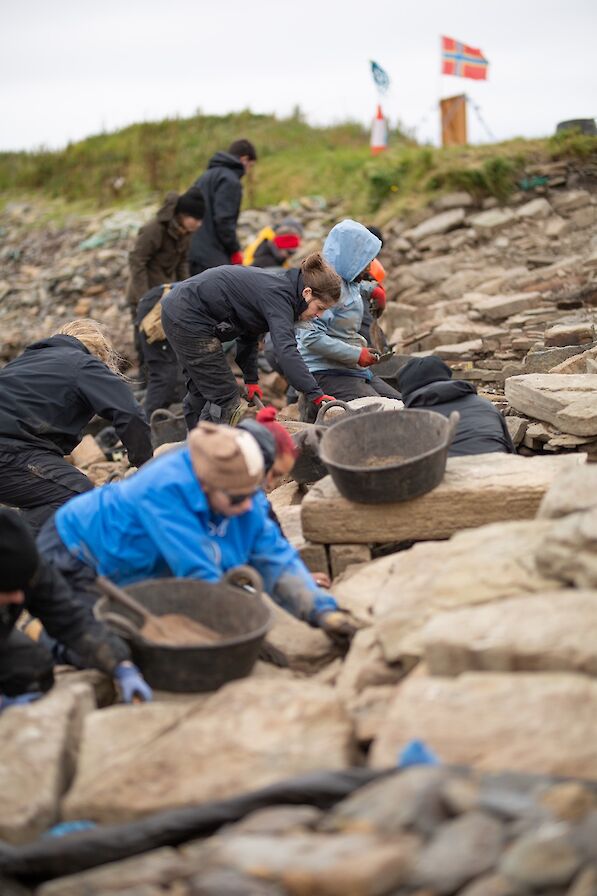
point(239, 576)
point(453, 421)
point(160, 415)
point(336, 403)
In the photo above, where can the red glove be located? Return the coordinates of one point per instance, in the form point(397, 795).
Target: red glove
point(237, 258)
point(367, 358)
point(254, 389)
point(378, 299)
point(322, 399)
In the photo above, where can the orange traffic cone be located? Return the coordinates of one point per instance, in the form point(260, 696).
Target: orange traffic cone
point(379, 133)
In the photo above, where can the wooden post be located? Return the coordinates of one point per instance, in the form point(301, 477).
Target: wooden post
point(453, 115)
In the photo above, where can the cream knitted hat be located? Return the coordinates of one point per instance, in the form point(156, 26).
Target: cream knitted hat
point(226, 458)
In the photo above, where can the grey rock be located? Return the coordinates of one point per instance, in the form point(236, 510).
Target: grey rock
point(545, 857)
point(573, 491)
point(460, 199)
point(222, 882)
point(460, 851)
point(544, 361)
point(437, 224)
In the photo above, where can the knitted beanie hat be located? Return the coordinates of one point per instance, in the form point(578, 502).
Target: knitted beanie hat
point(264, 439)
point(284, 443)
point(18, 555)
point(226, 458)
point(191, 203)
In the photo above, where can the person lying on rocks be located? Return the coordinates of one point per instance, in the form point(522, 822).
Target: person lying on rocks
point(243, 303)
point(194, 512)
point(427, 383)
point(48, 395)
point(28, 582)
point(331, 346)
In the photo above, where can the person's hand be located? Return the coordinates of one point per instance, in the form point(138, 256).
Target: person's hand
point(367, 358)
point(323, 399)
point(322, 579)
point(19, 700)
point(236, 258)
point(254, 389)
point(339, 626)
point(132, 684)
point(378, 299)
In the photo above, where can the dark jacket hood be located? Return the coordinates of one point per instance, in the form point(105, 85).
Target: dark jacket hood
point(420, 372)
point(57, 341)
point(227, 160)
point(438, 393)
point(166, 212)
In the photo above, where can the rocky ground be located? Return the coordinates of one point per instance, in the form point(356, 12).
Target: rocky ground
point(478, 603)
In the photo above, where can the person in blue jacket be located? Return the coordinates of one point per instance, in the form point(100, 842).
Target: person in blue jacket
point(194, 512)
point(331, 346)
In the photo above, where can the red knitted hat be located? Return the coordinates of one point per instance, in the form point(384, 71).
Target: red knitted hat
point(287, 241)
point(284, 443)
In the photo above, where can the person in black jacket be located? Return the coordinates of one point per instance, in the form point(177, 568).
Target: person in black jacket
point(165, 382)
point(29, 582)
point(427, 383)
point(216, 241)
point(243, 303)
point(48, 395)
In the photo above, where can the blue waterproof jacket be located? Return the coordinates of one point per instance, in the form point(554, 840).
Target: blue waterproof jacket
point(158, 523)
point(333, 341)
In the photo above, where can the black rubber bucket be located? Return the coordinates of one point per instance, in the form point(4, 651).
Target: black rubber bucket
point(167, 426)
point(240, 615)
point(358, 452)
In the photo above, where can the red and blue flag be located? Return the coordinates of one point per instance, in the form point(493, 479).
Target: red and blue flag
point(463, 61)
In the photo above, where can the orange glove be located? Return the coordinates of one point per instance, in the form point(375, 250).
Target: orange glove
point(367, 358)
point(237, 258)
point(378, 299)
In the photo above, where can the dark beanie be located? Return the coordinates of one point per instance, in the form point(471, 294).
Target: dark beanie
point(265, 440)
point(18, 555)
point(191, 203)
point(419, 372)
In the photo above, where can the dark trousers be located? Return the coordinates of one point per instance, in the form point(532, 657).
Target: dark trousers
point(25, 665)
point(212, 391)
point(38, 482)
point(347, 388)
point(80, 576)
point(165, 382)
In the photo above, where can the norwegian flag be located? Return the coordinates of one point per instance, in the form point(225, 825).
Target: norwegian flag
point(463, 61)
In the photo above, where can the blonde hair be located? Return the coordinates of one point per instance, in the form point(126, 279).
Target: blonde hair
point(325, 283)
point(94, 338)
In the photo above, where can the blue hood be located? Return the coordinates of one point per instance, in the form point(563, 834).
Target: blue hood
point(349, 248)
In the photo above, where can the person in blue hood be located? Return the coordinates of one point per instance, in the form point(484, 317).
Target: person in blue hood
point(332, 347)
point(427, 383)
point(195, 512)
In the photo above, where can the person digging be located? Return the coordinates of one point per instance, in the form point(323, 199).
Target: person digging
point(194, 512)
point(29, 582)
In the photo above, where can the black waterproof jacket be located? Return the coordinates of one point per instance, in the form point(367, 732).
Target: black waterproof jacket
point(243, 303)
point(49, 599)
point(216, 239)
point(50, 393)
point(481, 429)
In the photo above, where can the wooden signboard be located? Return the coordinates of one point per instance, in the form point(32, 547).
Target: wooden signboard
point(453, 113)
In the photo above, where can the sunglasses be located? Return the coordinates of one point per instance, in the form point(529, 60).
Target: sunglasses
point(235, 500)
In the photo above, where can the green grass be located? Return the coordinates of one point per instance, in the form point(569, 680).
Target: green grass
point(295, 159)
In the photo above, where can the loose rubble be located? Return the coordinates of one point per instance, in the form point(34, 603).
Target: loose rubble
point(478, 639)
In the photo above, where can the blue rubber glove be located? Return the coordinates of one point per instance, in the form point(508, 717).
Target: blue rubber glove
point(132, 684)
point(20, 700)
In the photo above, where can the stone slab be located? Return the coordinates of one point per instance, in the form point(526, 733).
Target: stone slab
point(38, 744)
point(475, 490)
point(250, 733)
point(568, 401)
point(496, 308)
point(542, 723)
point(549, 632)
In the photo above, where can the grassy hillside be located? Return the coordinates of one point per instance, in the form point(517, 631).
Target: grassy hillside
point(138, 163)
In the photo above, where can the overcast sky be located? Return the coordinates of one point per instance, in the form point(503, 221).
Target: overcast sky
point(71, 68)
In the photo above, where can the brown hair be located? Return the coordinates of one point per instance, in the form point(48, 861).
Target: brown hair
point(325, 283)
point(93, 337)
